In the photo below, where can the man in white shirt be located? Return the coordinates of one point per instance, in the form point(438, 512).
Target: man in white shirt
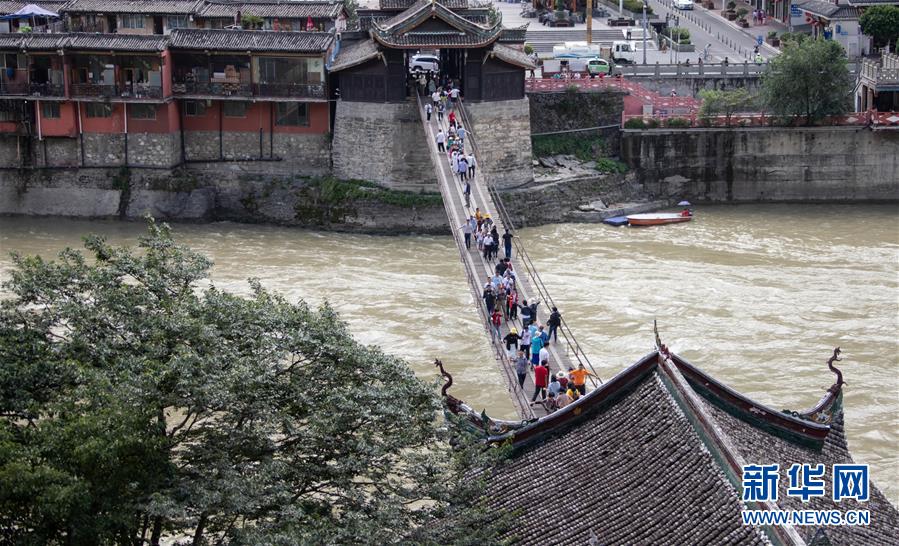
point(435, 98)
point(441, 140)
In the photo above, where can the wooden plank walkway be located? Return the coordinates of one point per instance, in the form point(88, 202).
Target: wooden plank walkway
point(477, 269)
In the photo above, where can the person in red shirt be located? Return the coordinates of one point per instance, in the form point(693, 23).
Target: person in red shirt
point(496, 320)
point(541, 377)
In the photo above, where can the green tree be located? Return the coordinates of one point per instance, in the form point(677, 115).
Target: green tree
point(810, 79)
point(723, 103)
point(881, 22)
point(138, 401)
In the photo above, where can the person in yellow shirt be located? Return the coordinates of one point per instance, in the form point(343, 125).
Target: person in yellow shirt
point(579, 378)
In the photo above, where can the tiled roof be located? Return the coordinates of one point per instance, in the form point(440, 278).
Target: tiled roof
point(756, 445)
point(405, 4)
point(401, 30)
point(353, 54)
point(115, 42)
point(633, 473)
point(251, 40)
point(653, 456)
point(435, 40)
point(829, 11)
point(78, 41)
point(7, 7)
point(514, 35)
point(285, 9)
point(174, 7)
point(513, 56)
point(870, 2)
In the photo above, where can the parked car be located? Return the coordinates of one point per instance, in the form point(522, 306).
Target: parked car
point(683, 4)
point(424, 63)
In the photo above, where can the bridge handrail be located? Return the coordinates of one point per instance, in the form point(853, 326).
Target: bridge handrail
point(498, 351)
point(506, 219)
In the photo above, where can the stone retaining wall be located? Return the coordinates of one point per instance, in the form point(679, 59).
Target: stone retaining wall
point(503, 133)
point(766, 164)
point(384, 143)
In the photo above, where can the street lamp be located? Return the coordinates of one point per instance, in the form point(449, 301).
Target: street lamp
point(644, 31)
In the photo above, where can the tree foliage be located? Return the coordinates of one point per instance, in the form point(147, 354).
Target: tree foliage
point(810, 79)
point(881, 22)
point(138, 401)
point(724, 102)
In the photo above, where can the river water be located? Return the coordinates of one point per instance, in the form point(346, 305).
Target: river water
point(757, 296)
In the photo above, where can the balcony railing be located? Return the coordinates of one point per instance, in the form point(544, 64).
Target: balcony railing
point(212, 88)
point(13, 88)
point(135, 90)
point(47, 89)
point(306, 90)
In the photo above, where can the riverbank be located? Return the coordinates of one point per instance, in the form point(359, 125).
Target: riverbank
point(323, 203)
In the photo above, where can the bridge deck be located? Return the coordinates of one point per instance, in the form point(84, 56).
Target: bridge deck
point(477, 268)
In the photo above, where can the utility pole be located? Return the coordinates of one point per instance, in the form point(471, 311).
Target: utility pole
point(644, 31)
point(589, 17)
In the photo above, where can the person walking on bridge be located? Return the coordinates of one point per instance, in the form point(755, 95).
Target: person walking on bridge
point(536, 345)
point(579, 378)
point(555, 320)
point(471, 165)
point(441, 141)
point(541, 374)
point(466, 231)
point(511, 341)
point(466, 191)
point(507, 243)
point(521, 368)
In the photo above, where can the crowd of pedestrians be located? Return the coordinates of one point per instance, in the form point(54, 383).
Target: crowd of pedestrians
point(528, 348)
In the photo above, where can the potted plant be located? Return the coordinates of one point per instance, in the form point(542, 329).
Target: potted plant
point(729, 12)
point(709, 5)
point(773, 39)
point(741, 17)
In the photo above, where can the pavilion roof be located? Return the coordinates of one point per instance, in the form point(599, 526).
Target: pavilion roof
point(354, 54)
point(399, 5)
point(653, 456)
point(402, 30)
point(512, 55)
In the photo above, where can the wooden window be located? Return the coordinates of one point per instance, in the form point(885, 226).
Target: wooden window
point(132, 21)
point(177, 21)
point(233, 109)
point(194, 108)
point(292, 114)
point(142, 111)
point(50, 110)
point(98, 110)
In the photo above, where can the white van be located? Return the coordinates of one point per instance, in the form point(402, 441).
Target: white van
point(683, 4)
point(623, 52)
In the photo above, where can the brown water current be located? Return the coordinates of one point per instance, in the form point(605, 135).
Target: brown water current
point(757, 296)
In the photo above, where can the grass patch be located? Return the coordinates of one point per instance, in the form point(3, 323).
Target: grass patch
point(583, 148)
point(333, 191)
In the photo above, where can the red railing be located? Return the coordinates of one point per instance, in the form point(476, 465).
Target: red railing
point(674, 121)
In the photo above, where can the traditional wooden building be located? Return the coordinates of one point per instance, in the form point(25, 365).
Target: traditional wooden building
point(376, 68)
point(655, 456)
point(377, 105)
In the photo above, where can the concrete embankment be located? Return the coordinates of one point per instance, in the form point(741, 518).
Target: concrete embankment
point(773, 164)
point(320, 203)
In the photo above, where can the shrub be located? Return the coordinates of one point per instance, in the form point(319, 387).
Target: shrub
point(636, 6)
point(678, 34)
point(608, 165)
point(741, 13)
point(635, 123)
point(652, 123)
point(772, 34)
point(677, 122)
point(528, 49)
point(731, 6)
point(573, 89)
